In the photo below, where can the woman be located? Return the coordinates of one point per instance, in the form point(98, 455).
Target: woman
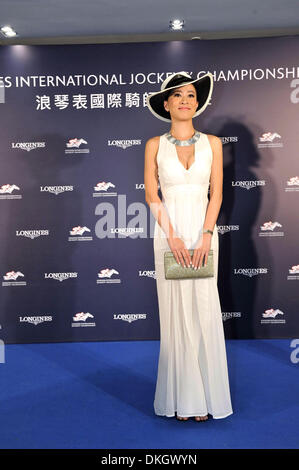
point(192, 378)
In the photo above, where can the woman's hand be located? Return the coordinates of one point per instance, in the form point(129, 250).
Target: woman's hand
point(201, 250)
point(179, 251)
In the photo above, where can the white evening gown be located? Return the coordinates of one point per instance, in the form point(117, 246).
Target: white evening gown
point(192, 377)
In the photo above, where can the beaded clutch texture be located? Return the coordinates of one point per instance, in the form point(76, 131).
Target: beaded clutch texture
point(174, 270)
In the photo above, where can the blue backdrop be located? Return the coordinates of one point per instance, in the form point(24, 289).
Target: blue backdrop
point(76, 246)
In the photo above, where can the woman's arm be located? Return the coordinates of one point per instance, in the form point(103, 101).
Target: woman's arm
point(216, 184)
point(216, 181)
point(157, 208)
point(151, 187)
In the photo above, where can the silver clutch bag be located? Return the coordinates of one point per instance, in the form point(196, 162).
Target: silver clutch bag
point(174, 270)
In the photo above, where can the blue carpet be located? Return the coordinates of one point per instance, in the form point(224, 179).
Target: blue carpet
point(99, 395)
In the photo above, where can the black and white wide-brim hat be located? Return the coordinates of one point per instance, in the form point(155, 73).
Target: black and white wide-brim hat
point(203, 85)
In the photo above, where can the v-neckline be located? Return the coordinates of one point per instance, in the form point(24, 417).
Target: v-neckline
point(179, 161)
point(177, 157)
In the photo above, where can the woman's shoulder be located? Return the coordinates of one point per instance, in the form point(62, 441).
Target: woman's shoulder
point(153, 141)
point(214, 140)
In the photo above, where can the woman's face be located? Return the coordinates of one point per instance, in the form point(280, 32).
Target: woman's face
point(182, 102)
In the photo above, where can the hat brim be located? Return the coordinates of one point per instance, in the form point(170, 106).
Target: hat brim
point(204, 88)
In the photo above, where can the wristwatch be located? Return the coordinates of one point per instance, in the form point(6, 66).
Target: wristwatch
point(208, 231)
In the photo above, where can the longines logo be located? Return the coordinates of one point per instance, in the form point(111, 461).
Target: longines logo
point(268, 229)
point(28, 145)
point(105, 276)
point(32, 233)
point(36, 320)
point(11, 279)
point(124, 143)
point(101, 189)
point(250, 272)
point(126, 231)
point(61, 276)
point(56, 189)
point(269, 316)
point(227, 228)
point(129, 317)
point(147, 274)
point(6, 191)
point(248, 184)
point(229, 315)
point(229, 139)
point(141, 185)
point(77, 232)
point(269, 139)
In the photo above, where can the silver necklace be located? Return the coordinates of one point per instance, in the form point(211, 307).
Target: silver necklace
point(183, 143)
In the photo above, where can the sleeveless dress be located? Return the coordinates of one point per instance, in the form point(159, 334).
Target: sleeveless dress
point(192, 377)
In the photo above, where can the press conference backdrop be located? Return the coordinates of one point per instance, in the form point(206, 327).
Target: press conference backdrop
point(76, 248)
